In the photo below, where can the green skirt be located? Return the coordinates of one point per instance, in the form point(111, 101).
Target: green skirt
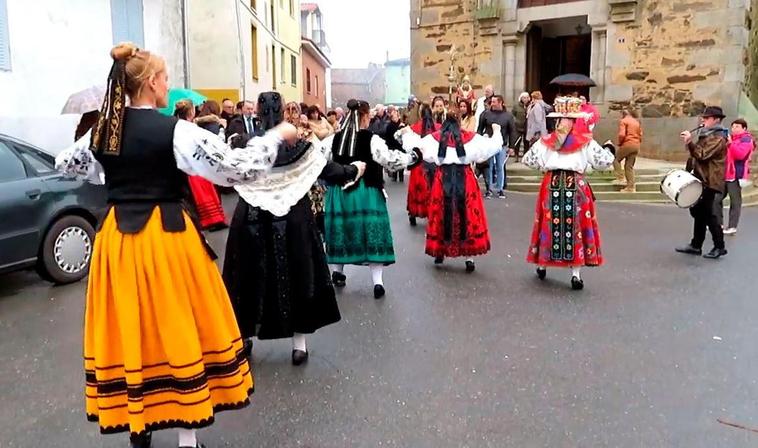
point(357, 226)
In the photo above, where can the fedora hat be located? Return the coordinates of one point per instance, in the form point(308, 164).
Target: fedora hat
point(713, 111)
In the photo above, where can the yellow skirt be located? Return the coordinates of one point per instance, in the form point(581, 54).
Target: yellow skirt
point(161, 344)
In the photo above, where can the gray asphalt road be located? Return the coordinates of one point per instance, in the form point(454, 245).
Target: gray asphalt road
point(656, 349)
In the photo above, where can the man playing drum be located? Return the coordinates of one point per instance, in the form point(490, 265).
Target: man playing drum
point(706, 162)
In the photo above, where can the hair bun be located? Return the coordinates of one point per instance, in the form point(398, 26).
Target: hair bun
point(353, 104)
point(124, 51)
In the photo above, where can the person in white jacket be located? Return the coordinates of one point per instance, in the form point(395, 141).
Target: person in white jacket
point(566, 231)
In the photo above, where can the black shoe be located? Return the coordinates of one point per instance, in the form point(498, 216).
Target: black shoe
point(541, 273)
point(576, 283)
point(299, 357)
point(501, 194)
point(141, 441)
point(688, 249)
point(378, 291)
point(338, 278)
point(488, 195)
point(715, 253)
point(439, 260)
point(247, 347)
point(470, 266)
point(412, 220)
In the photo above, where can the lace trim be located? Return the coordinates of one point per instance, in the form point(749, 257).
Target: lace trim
point(285, 186)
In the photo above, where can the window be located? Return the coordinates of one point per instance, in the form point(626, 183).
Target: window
point(252, 4)
point(254, 54)
point(11, 167)
point(308, 80)
point(292, 8)
point(316, 85)
point(293, 69)
point(273, 66)
point(273, 28)
point(283, 61)
point(126, 18)
point(41, 163)
point(5, 45)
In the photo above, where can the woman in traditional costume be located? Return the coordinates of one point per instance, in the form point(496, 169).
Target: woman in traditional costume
point(208, 208)
point(357, 222)
point(566, 232)
point(275, 267)
point(457, 221)
point(161, 343)
point(421, 176)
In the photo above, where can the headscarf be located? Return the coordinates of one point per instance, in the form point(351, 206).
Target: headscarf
point(451, 128)
point(349, 132)
point(270, 111)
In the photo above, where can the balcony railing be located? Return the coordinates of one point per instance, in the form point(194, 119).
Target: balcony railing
point(319, 37)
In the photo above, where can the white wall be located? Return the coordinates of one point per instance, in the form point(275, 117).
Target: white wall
point(59, 47)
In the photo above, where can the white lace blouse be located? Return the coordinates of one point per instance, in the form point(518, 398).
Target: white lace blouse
point(197, 153)
point(392, 160)
point(479, 149)
point(591, 156)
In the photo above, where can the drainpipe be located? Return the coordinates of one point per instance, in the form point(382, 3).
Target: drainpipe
point(242, 54)
point(185, 39)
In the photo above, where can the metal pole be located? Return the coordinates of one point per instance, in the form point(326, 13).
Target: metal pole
point(185, 38)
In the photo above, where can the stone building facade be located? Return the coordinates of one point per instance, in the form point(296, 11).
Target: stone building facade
point(667, 59)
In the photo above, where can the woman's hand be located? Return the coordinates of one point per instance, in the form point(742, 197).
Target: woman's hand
point(361, 168)
point(288, 132)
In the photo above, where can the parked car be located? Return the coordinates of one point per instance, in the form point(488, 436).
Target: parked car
point(46, 221)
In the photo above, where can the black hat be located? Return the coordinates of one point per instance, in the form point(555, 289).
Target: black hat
point(713, 111)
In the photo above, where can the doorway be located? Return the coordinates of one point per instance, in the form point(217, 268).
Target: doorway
point(556, 47)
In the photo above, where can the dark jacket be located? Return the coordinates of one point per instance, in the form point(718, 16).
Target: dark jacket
point(519, 117)
point(708, 157)
point(237, 126)
point(507, 126)
point(389, 135)
point(210, 123)
point(374, 175)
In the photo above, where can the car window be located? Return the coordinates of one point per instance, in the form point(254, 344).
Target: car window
point(39, 162)
point(11, 167)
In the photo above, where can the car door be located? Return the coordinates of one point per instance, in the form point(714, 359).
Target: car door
point(21, 211)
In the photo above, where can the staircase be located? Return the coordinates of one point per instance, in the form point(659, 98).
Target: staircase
point(649, 176)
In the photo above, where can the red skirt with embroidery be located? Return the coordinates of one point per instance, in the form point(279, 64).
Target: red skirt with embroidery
point(418, 189)
point(457, 224)
point(566, 231)
point(208, 204)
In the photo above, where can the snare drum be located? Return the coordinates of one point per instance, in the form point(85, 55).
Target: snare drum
point(682, 187)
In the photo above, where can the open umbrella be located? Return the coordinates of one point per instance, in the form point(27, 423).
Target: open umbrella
point(175, 95)
point(84, 101)
point(573, 80)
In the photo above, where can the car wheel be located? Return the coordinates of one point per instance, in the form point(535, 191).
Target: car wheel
point(66, 250)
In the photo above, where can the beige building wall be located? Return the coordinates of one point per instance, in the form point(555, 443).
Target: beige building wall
point(222, 58)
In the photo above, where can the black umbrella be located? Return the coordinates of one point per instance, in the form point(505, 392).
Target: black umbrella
point(573, 80)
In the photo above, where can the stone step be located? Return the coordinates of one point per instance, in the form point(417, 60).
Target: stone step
point(655, 178)
point(522, 171)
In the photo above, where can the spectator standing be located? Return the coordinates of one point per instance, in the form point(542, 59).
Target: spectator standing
point(629, 140)
point(413, 110)
point(379, 121)
point(498, 115)
point(519, 118)
point(333, 120)
point(318, 123)
point(536, 118)
point(394, 125)
point(242, 127)
point(209, 119)
point(738, 155)
point(483, 102)
point(467, 116)
point(227, 110)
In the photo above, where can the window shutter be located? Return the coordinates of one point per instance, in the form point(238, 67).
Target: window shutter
point(5, 46)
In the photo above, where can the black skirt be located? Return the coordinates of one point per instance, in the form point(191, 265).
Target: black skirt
point(276, 273)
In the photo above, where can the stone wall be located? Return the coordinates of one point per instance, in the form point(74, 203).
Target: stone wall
point(681, 55)
point(751, 74)
point(445, 25)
